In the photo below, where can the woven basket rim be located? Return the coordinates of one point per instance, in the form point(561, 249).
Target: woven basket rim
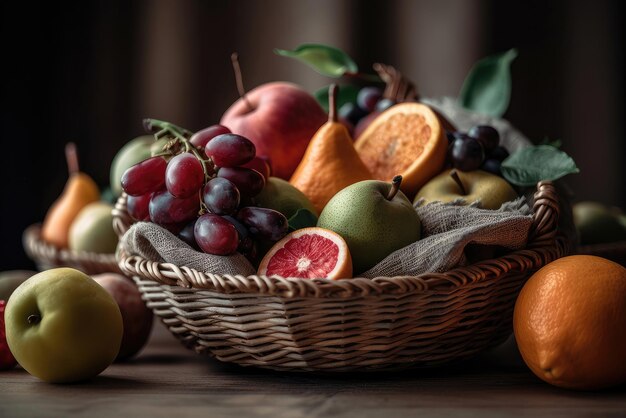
point(43, 252)
point(544, 245)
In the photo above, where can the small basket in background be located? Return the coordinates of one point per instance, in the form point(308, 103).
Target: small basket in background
point(47, 256)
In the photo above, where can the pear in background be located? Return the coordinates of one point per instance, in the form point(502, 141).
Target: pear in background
point(80, 190)
point(330, 162)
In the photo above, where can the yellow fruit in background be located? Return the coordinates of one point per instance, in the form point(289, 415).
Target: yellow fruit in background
point(80, 190)
point(92, 230)
point(569, 322)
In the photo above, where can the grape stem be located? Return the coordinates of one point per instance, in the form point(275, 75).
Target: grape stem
point(71, 157)
point(455, 176)
point(234, 58)
point(332, 103)
point(395, 186)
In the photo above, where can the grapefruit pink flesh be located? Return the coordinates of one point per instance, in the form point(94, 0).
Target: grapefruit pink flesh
point(309, 256)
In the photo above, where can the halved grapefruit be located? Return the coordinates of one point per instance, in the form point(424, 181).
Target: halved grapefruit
point(406, 139)
point(308, 253)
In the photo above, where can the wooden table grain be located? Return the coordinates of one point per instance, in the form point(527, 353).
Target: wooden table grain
point(167, 380)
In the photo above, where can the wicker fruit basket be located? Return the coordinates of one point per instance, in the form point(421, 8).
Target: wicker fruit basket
point(351, 324)
point(47, 256)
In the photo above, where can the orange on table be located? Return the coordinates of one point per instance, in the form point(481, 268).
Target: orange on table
point(406, 139)
point(308, 253)
point(570, 322)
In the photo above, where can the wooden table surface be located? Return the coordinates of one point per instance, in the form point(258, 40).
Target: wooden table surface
point(167, 380)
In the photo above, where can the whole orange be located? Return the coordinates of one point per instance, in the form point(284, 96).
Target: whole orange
point(570, 322)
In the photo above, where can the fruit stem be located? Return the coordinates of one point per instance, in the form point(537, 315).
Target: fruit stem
point(34, 319)
point(332, 102)
point(234, 58)
point(455, 176)
point(395, 186)
point(71, 156)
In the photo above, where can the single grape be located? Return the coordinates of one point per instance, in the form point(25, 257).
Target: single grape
point(200, 138)
point(221, 196)
point(467, 154)
point(487, 135)
point(230, 150)
point(215, 235)
point(184, 175)
point(384, 104)
point(499, 153)
point(351, 112)
point(492, 166)
point(165, 209)
point(264, 223)
point(367, 98)
point(259, 164)
point(137, 207)
point(145, 177)
point(186, 234)
point(249, 182)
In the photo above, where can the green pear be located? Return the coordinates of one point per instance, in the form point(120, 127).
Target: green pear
point(10, 280)
point(280, 195)
point(597, 223)
point(471, 186)
point(135, 151)
point(374, 218)
point(92, 230)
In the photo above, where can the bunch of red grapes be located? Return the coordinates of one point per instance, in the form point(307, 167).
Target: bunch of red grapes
point(202, 188)
point(479, 148)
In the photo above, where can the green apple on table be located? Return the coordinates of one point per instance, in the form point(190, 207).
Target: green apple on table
point(469, 187)
point(62, 326)
point(597, 223)
point(374, 218)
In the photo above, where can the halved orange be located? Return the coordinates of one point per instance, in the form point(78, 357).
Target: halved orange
point(406, 139)
point(308, 253)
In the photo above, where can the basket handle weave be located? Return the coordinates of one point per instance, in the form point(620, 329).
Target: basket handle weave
point(544, 245)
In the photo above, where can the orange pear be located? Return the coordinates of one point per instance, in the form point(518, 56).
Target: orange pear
point(330, 162)
point(80, 190)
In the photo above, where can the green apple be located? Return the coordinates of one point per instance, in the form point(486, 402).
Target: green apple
point(596, 223)
point(92, 230)
point(374, 218)
point(280, 195)
point(489, 190)
point(10, 280)
point(135, 151)
point(62, 326)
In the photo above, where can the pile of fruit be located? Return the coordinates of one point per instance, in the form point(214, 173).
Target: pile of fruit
point(304, 192)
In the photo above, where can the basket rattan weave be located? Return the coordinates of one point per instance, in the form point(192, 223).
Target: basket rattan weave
point(351, 324)
point(47, 256)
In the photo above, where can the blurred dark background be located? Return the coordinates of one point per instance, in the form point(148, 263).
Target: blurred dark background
point(90, 72)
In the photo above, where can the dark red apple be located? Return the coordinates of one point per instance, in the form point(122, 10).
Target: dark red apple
point(7, 361)
point(280, 119)
point(136, 317)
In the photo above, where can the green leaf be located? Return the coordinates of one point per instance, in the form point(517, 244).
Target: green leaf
point(556, 143)
point(326, 60)
point(528, 166)
point(303, 218)
point(345, 94)
point(487, 88)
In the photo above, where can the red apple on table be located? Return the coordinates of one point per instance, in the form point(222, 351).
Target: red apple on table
point(7, 361)
point(279, 118)
point(136, 317)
